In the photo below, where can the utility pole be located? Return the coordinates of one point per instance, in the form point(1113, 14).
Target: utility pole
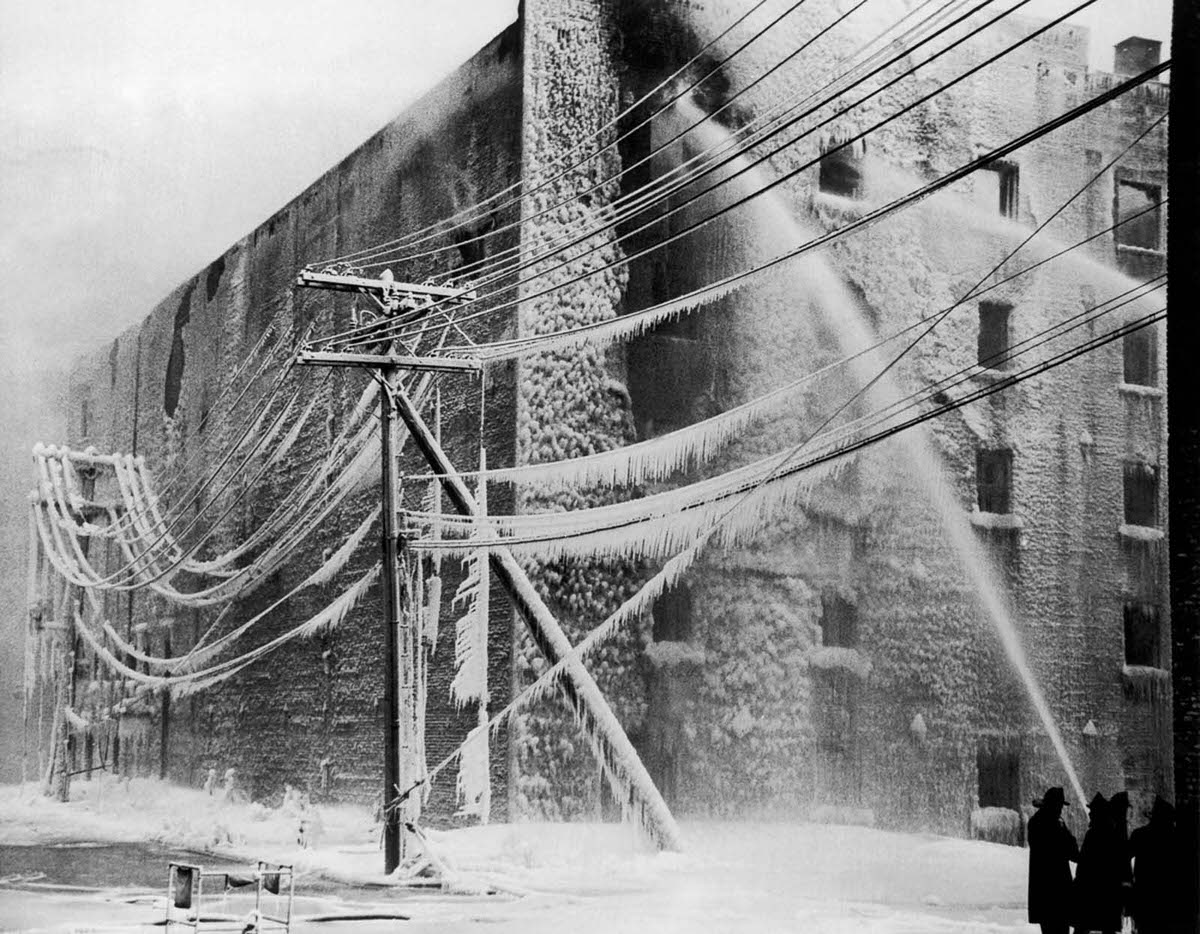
point(397, 302)
point(1183, 448)
point(395, 724)
point(615, 752)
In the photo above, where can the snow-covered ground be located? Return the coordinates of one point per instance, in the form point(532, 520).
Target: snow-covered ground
point(733, 877)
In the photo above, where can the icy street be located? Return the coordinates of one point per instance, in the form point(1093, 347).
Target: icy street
point(735, 876)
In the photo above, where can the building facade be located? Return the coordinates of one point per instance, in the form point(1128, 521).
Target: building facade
point(842, 664)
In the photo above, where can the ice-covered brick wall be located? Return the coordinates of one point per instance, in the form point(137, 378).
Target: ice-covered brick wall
point(311, 715)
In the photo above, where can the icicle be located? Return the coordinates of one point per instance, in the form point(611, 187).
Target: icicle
point(473, 786)
point(338, 559)
point(331, 617)
point(661, 457)
point(433, 611)
point(654, 526)
point(471, 630)
point(293, 433)
point(77, 722)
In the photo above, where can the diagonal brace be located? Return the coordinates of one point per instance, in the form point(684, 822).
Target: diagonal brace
point(616, 752)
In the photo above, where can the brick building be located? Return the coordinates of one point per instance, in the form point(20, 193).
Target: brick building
point(842, 663)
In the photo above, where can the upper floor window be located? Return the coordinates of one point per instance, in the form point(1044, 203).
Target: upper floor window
point(993, 480)
point(839, 621)
point(1137, 215)
point(1141, 357)
point(994, 334)
point(997, 187)
point(840, 170)
point(1141, 494)
point(1142, 626)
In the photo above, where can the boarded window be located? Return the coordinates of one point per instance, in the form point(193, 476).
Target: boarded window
point(993, 480)
point(673, 615)
point(1137, 214)
point(840, 170)
point(997, 188)
point(1142, 643)
point(839, 621)
point(999, 779)
point(1141, 357)
point(1141, 494)
point(993, 334)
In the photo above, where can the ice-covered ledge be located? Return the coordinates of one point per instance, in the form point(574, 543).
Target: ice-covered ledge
point(996, 520)
point(1136, 389)
point(1141, 533)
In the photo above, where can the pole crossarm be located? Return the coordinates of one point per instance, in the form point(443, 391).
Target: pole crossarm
point(306, 357)
point(383, 289)
point(578, 685)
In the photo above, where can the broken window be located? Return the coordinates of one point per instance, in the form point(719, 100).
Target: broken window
point(1137, 213)
point(993, 480)
point(1141, 494)
point(993, 334)
point(839, 621)
point(840, 171)
point(996, 188)
point(1142, 622)
point(1141, 357)
point(999, 779)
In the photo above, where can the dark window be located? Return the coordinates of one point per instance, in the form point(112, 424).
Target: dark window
point(841, 169)
point(839, 621)
point(673, 615)
point(1141, 494)
point(993, 334)
point(998, 185)
point(85, 417)
point(993, 480)
point(1142, 634)
point(1141, 357)
point(999, 779)
point(1137, 213)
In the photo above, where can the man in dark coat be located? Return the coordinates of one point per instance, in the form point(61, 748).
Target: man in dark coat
point(1098, 878)
point(1119, 805)
point(1051, 850)
point(1153, 851)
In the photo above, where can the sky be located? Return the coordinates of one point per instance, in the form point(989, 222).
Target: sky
point(140, 138)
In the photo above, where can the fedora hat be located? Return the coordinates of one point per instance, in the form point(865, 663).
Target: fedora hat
point(1052, 796)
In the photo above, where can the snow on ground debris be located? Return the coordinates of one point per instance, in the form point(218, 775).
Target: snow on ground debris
point(733, 876)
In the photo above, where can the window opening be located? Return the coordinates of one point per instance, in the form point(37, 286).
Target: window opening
point(839, 621)
point(1141, 494)
point(994, 334)
point(999, 779)
point(1142, 627)
point(1141, 357)
point(840, 170)
point(993, 480)
point(1144, 231)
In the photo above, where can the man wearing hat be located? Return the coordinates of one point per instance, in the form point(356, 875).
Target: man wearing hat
point(1098, 875)
point(1051, 851)
point(1154, 870)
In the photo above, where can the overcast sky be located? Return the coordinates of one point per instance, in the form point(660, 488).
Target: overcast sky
point(142, 137)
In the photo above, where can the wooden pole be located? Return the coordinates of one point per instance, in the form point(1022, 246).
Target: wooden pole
point(581, 690)
point(1183, 448)
point(392, 597)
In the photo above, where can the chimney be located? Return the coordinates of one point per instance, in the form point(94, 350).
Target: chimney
point(1134, 55)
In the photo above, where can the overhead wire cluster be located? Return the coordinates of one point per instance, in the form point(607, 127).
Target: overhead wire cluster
point(161, 546)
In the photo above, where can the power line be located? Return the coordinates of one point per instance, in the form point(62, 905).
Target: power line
point(872, 216)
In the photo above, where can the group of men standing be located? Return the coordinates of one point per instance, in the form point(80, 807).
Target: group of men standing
point(1118, 873)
